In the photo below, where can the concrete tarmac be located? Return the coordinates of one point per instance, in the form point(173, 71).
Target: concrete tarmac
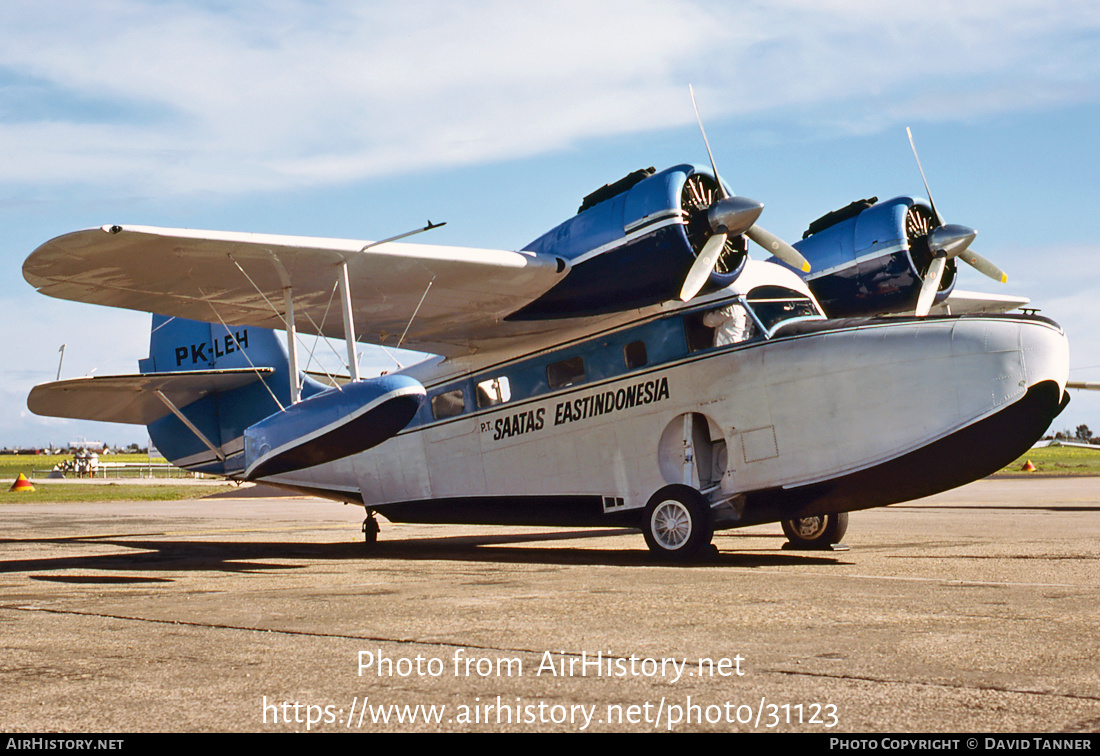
point(977, 610)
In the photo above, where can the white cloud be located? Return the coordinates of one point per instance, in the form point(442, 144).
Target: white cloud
point(176, 97)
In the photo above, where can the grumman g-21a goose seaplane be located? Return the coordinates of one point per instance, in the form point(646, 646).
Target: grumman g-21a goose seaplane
point(631, 367)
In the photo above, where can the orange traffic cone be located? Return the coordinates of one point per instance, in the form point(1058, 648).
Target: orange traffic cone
point(21, 484)
point(1028, 467)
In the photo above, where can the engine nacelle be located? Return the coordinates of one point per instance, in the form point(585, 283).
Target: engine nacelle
point(632, 243)
point(874, 260)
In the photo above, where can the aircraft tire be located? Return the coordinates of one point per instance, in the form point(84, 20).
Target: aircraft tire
point(677, 524)
point(816, 533)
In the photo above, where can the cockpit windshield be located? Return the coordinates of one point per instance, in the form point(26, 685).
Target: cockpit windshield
point(774, 306)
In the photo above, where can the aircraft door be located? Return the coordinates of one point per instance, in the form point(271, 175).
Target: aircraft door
point(692, 451)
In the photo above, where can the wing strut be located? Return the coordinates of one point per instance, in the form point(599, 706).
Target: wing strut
point(291, 331)
point(405, 333)
point(345, 296)
point(287, 318)
point(349, 321)
point(241, 349)
point(190, 425)
point(292, 345)
point(318, 330)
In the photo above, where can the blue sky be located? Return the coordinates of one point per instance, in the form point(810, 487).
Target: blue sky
point(363, 120)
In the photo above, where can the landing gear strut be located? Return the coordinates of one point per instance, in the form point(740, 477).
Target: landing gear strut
point(370, 528)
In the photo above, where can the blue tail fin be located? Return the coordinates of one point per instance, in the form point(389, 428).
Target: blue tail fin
point(178, 345)
point(327, 424)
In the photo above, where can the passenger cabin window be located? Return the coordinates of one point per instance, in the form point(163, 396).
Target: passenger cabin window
point(634, 354)
point(448, 404)
point(774, 305)
point(565, 373)
point(493, 391)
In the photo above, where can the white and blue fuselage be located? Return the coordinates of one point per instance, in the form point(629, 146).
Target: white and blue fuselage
point(805, 416)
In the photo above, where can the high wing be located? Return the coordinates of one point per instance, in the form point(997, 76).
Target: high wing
point(240, 279)
point(133, 398)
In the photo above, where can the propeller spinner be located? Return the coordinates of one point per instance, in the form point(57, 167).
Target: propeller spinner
point(730, 217)
point(946, 242)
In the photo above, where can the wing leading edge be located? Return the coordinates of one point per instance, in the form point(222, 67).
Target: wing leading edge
point(240, 279)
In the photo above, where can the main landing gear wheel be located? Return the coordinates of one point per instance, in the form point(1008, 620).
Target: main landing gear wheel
point(816, 533)
point(677, 523)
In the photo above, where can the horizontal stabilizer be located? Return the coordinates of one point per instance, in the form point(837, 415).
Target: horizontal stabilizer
point(133, 398)
point(331, 425)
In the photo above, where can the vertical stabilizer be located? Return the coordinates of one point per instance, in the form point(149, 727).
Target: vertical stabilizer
point(178, 345)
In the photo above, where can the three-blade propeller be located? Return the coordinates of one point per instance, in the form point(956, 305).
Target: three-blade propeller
point(732, 216)
point(945, 242)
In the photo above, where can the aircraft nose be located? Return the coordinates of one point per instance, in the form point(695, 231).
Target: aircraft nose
point(1045, 351)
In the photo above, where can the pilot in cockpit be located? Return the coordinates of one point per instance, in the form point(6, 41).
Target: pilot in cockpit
point(731, 324)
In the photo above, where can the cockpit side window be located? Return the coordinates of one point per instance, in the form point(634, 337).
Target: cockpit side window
point(725, 323)
point(731, 324)
point(775, 305)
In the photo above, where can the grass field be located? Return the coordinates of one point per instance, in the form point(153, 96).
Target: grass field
point(1048, 461)
point(1058, 460)
point(95, 492)
point(45, 490)
point(13, 464)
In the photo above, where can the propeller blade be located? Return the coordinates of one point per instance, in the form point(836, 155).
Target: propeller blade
point(713, 166)
point(931, 285)
point(778, 248)
point(952, 240)
point(703, 265)
point(939, 220)
point(729, 216)
point(982, 265)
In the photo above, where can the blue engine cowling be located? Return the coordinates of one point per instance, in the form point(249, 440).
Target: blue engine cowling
point(633, 248)
point(873, 262)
